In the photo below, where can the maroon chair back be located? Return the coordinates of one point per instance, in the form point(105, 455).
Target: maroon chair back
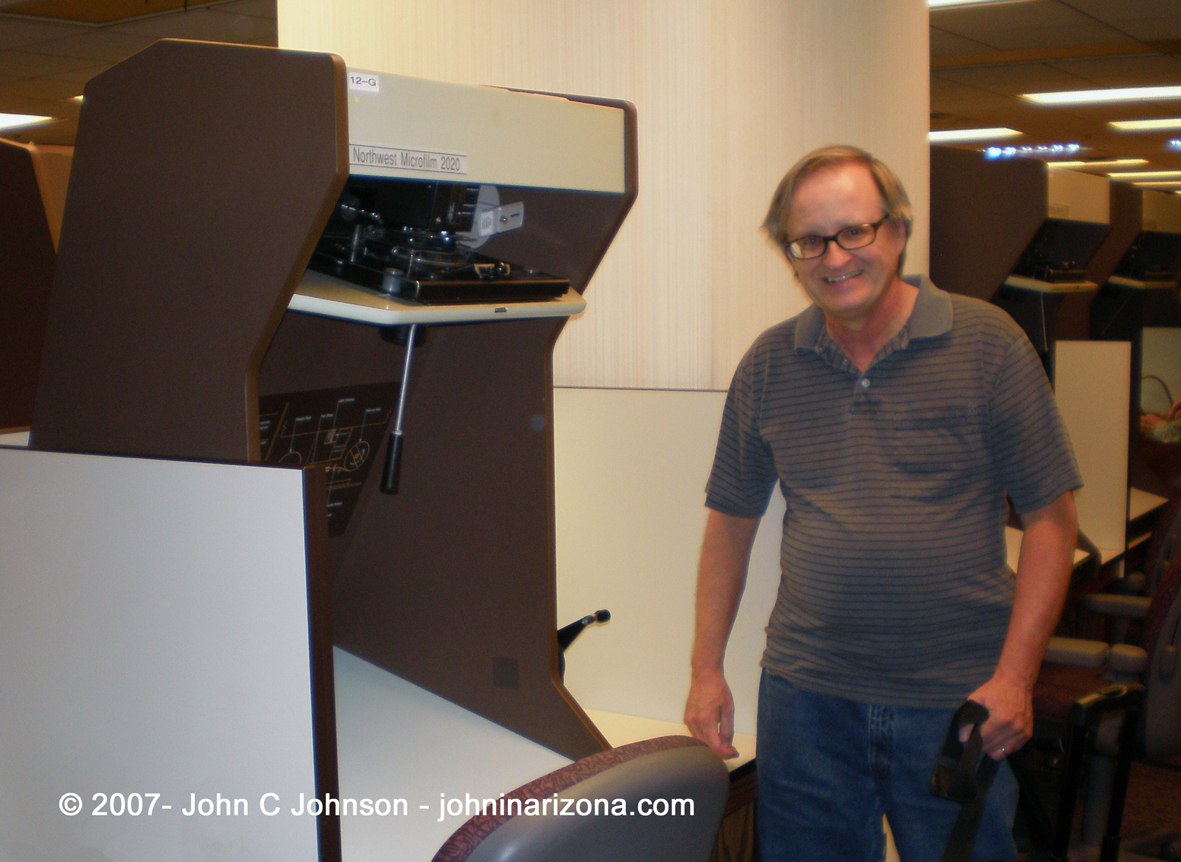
point(1164, 544)
point(1162, 679)
point(666, 767)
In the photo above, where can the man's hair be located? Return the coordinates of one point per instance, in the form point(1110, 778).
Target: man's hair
point(894, 197)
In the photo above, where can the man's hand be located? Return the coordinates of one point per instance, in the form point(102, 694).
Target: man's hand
point(709, 713)
point(1043, 574)
point(1010, 716)
point(725, 550)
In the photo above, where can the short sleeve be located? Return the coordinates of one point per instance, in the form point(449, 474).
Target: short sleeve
point(1031, 449)
point(743, 474)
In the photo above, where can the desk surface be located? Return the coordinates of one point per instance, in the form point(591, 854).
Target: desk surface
point(622, 729)
point(331, 297)
point(1038, 286)
point(1141, 503)
point(398, 741)
point(14, 438)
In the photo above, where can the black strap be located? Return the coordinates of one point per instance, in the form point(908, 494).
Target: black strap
point(958, 777)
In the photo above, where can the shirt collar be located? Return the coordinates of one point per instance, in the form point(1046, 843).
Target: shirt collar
point(930, 318)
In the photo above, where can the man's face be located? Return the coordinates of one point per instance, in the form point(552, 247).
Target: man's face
point(848, 286)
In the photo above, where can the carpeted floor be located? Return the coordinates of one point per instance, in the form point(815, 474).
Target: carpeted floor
point(1154, 797)
point(1153, 801)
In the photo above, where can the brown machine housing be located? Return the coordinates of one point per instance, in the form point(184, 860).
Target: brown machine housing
point(27, 252)
point(984, 215)
point(203, 177)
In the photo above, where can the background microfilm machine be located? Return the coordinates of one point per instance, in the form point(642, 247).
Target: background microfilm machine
point(243, 280)
point(1020, 236)
point(32, 191)
point(1138, 302)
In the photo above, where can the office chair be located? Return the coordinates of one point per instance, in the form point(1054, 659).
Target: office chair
point(656, 773)
point(1163, 546)
point(1074, 668)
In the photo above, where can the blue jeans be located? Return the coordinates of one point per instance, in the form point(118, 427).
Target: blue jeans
point(829, 768)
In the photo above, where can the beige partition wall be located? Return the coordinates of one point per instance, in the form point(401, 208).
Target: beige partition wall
point(727, 94)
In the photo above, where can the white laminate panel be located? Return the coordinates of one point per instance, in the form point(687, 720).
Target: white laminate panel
point(493, 136)
point(1091, 387)
point(326, 296)
point(1140, 503)
point(1138, 284)
point(1076, 196)
point(52, 165)
point(1160, 367)
point(1161, 212)
point(15, 438)
point(623, 729)
point(630, 471)
point(400, 742)
point(153, 639)
point(1140, 539)
point(1039, 286)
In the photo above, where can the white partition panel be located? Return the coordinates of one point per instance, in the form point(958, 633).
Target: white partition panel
point(153, 640)
point(1160, 368)
point(630, 472)
point(14, 438)
point(1092, 381)
point(425, 757)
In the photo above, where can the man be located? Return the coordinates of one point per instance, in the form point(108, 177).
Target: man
point(895, 418)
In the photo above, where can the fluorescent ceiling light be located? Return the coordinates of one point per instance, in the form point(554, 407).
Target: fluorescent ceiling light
point(1146, 125)
point(1143, 175)
point(971, 135)
point(935, 4)
point(1122, 94)
point(1101, 163)
point(19, 121)
point(1031, 151)
point(1160, 185)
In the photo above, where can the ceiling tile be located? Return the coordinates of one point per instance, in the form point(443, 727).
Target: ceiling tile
point(81, 75)
point(1013, 80)
point(1145, 70)
point(1140, 19)
point(945, 44)
point(61, 135)
point(24, 64)
point(42, 89)
point(37, 107)
point(1154, 28)
point(213, 25)
point(17, 32)
point(266, 32)
point(1017, 26)
point(99, 44)
point(257, 8)
point(949, 96)
point(1084, 32)
point(42, 62)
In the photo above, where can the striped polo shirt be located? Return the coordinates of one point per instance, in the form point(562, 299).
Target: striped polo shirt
point(894, 587)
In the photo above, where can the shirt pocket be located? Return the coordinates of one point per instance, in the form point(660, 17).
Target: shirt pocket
point(935, 450)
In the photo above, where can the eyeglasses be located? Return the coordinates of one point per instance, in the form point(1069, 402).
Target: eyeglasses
point(852, 237)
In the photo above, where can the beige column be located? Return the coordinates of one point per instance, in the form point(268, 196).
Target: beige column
point(729, 93)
